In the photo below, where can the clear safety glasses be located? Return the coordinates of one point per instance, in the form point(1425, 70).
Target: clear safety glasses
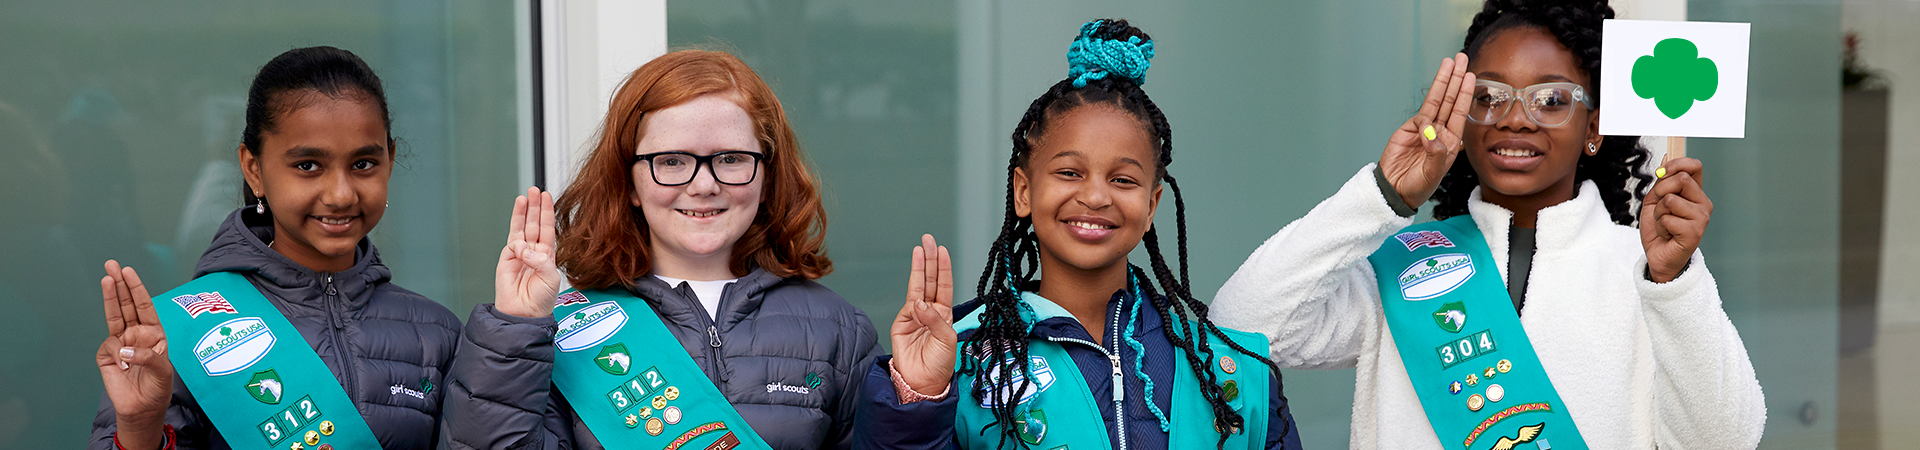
point(1547, 104)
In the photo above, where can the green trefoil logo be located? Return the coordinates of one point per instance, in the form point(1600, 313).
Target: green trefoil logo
point(1675, 76)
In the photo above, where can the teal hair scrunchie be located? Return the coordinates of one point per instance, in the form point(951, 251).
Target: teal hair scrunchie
point(1091, 58)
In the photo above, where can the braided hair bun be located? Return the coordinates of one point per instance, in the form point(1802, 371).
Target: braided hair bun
point(1109, 48)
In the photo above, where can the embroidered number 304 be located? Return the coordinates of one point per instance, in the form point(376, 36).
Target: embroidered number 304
point(1467, 347)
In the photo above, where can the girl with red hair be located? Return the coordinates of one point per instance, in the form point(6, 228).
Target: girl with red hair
point(697, 221)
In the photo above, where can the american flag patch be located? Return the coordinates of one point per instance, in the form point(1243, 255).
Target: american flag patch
point(1417, 239)
point(205, 302)
point(570, 298)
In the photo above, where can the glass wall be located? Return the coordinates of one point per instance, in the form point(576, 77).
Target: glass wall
point(119, 123)
point(907, 109)
point(870, 88)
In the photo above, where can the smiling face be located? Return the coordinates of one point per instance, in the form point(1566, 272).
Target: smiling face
point(693, 226)
point(323, 171)
point(1515, 158)
point(1089, 188)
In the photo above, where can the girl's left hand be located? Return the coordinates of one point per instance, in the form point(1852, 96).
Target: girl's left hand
point(526, 279)
point(1673, 218)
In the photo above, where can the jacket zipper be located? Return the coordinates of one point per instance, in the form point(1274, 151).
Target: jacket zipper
point(713, 339)
point(1119, 381)
point(333, 318)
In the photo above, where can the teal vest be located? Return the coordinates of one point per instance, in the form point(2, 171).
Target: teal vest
point(1059, 409)
point(1470, 361)
point(632, 384)
point(255, 378)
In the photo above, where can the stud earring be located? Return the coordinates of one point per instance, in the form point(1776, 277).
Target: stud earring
point(1592, 149)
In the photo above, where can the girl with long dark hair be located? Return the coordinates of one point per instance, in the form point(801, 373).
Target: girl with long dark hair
point(1533, 312)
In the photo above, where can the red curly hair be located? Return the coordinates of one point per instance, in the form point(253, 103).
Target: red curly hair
point(604, 239)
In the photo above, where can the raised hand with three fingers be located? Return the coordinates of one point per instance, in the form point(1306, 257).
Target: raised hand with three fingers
point(923, 336)
point(133, 360)
point(527, 279)
point(1422, 149)
point(1673, 218)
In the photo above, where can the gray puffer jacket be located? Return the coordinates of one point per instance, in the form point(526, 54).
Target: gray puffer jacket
point(371, 334)
point(769, 330)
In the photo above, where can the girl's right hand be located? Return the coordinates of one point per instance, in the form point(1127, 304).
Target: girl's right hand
point(1422, 150)
point(133, 360)
point(526, 280)
point(923, 337)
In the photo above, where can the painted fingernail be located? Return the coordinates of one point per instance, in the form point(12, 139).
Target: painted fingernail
point(123, 365)
point(126, 353)
point(1429, 133)
point(1660, 172)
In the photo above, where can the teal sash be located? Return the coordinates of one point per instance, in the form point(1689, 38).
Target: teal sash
point(632, 384)
point(260, 392)
point(1469, 359)
point(1058, 409)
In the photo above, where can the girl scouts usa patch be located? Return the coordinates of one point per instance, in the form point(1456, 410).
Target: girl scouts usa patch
point(589, 326)
point(1435, 276)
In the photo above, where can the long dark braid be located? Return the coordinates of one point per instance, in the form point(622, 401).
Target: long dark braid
point(1014, 258)
point(1616, 167)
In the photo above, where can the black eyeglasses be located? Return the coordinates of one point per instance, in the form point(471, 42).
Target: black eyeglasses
point(732, 168)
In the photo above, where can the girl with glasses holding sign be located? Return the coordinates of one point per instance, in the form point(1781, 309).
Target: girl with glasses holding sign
point(1559, 300)
point(292, 335)
point(691, 237)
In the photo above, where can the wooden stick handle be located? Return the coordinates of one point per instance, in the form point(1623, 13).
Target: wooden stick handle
point(1676, 148)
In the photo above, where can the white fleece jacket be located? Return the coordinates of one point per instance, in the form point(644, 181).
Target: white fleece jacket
point(1638, 363)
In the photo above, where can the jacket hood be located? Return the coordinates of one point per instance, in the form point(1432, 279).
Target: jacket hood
point(240, 245)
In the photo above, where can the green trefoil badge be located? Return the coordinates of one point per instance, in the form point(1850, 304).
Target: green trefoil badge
point(1675, 76)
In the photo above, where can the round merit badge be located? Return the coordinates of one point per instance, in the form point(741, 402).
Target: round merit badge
point(1454, 388)
point(654, 427)
point(1504, 366)
point(326, 427)
point(1227, 365)
point(659, 402)
point(1473, 380)
point(313, 437)
point(646, 412)
point(1490, 372)
point(673, 393)
point(1475, 402)
point(1495, 393)
point(633, 420)
point(672, 414)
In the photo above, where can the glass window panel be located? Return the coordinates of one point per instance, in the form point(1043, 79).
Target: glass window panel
point(121, 121)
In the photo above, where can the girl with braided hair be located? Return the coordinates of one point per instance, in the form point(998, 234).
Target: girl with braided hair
point(1101, 353)
point(1533, 312)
